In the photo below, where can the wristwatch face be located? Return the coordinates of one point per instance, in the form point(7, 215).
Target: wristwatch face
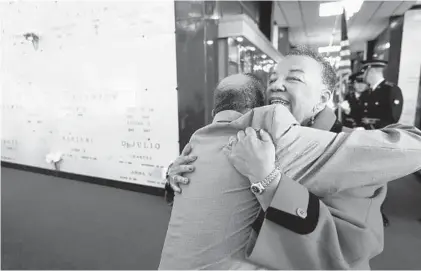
point(257, 188)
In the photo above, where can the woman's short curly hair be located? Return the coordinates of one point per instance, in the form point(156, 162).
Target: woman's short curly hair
point(328, 72)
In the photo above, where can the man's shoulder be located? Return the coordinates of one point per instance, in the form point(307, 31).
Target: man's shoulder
point(213, 128)
point(387, 85)
point(346, 129)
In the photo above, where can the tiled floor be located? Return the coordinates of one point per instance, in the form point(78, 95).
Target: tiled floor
point(53, 223)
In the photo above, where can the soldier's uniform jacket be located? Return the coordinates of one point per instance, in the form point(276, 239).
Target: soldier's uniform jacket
point(343, 229)
point(385, 103)
point(353, 119)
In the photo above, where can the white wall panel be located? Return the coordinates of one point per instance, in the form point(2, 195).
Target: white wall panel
point(100, 88)
point(410, 65)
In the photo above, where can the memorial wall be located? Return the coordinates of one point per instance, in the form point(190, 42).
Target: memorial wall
point(92, 84)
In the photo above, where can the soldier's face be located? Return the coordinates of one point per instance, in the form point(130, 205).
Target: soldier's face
point(368, 76)
point(360, 87)
point(297, 84)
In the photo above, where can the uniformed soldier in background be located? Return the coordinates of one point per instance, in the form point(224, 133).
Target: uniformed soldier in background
point(384, 103)
point(352, 106)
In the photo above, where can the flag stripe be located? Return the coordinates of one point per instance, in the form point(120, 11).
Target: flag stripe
point(348, 57)
point(344, 65)
point(344, 53)
point(345, 42)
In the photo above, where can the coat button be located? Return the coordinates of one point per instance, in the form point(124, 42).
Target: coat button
point(397, 101)
point(365, 104)
point(365, 111)
point(301, 213)
point(376, 103)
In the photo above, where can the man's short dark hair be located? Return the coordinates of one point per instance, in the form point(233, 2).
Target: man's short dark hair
point(239, 97)
point(328, 73)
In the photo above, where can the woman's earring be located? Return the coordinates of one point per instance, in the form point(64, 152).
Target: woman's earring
point(312, 119)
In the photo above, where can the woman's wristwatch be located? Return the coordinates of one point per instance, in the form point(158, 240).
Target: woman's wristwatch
point(260, 187)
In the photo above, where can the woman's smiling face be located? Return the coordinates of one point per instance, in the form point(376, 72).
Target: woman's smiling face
point(297, 83)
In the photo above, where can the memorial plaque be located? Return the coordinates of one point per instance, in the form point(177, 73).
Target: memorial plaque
point(96, 83)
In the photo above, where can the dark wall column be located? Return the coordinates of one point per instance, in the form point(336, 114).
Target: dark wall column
point(387, 46)
point(396, 29)
point(283, 40)
point(356, 60)
point(211, 66)
point(265, 18)
point(370, 49)
point(196, 46)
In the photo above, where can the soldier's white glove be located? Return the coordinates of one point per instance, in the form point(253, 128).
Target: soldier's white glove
point(346, 107)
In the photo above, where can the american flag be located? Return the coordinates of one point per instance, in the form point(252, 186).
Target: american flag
point(344, 66)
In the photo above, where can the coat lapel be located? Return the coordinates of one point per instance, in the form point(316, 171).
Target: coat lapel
point(326, 120)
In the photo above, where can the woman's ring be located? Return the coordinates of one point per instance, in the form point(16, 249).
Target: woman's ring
point(232, 141)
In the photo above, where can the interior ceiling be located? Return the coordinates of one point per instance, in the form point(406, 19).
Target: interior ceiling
point(306, 27)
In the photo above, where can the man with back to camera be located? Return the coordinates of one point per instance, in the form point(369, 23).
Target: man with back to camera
point(219, 191)
point(327, 231)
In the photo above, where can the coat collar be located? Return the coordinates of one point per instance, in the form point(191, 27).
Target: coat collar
point(226, 116)
point(375, 86)
point(325, 120)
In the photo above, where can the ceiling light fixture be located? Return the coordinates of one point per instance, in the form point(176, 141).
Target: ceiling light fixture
point(240, 39)
point(336, 8)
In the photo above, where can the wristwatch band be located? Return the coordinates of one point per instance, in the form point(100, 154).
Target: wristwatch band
point(272, 176)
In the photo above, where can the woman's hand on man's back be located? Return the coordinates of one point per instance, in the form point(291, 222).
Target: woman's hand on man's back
point(180, 166)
